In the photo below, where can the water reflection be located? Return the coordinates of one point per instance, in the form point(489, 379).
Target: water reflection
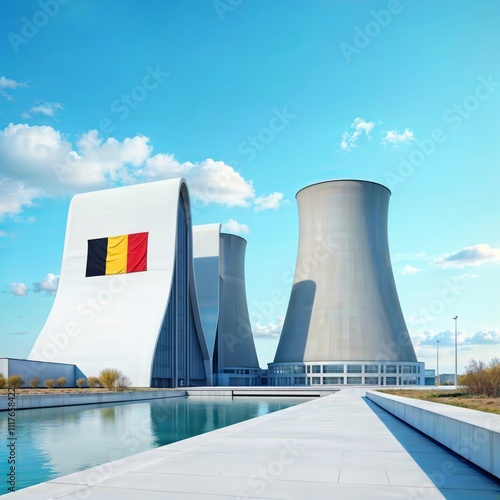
point(52, 442)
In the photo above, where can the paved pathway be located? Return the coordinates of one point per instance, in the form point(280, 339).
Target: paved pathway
point(340, 447)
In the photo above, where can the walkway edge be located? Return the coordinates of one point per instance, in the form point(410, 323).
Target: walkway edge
point(30, 401)
point(472, 434)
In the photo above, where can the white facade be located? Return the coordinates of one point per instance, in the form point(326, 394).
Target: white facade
point(119, 321)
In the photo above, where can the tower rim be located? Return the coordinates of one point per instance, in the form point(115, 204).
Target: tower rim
point(341, 180)
point(223, 233)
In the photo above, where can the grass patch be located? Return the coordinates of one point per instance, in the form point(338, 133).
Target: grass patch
point(453, 398)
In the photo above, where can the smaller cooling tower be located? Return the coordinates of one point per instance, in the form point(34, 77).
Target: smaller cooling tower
point(219, 264)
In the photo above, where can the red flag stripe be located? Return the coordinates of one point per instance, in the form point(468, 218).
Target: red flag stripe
point(137, 257)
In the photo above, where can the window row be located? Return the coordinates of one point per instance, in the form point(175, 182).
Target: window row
point(343, 380)
point(302, 369)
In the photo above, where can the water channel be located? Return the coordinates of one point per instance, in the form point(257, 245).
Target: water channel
point(52, 442)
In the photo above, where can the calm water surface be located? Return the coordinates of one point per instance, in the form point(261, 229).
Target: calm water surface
point(52, 442)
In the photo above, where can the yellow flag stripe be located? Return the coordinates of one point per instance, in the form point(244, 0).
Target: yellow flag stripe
point(116, 258)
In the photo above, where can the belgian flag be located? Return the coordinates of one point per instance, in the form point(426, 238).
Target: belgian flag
point(117, 255)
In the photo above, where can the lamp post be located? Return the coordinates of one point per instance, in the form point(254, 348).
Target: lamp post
point(456, 351)
point(437, 362)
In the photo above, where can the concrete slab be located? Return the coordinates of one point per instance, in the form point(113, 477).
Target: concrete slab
point(339, 446)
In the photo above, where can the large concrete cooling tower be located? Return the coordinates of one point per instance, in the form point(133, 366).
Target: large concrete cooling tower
point(344, 322)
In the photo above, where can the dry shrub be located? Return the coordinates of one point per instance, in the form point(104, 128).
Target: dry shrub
point(61, 381)
point(15, 381)
point(93, 382)
point(482, 379)
point(123, 383)
point(109, 377)
point(49, 383)
point(34, 382)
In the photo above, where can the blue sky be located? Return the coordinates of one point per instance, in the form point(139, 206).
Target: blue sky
point(252, 100)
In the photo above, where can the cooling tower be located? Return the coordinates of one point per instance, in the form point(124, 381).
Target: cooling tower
point(235, 358)
point(219, 267)
point(344, 316)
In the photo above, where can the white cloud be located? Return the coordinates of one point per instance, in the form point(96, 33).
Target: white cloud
point(475, 255)
point(270, 201)
point(269, 331)
point(8, 83)
point(209, 181)
point(15, 195)
point(233, 226)
point(29, 155)
point(360, 126)
point(465, 276)
point(48, 285)
point(409, 270)
point(44, 108)
point(418, 256)
point(447, 338)
point(485, 337)
point(38, 161)
point(19, 289)
point(215, 182)
point(418, 337)
point(3, 234)
point(394, 137)
point(109, 162)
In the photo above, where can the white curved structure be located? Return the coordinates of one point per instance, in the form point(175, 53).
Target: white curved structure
point(206, 253)
point(344, 322)
point(136, 310)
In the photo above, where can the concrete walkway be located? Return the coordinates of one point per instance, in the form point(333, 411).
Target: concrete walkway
point(341, 446)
